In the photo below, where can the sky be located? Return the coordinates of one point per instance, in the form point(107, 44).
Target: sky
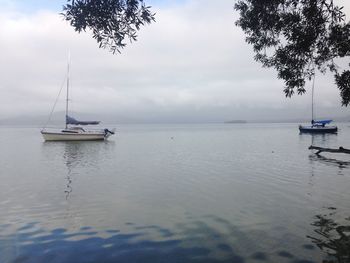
point(191, 65)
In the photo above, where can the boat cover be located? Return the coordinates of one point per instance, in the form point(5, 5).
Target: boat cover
point(322, 122)
point(70, 120)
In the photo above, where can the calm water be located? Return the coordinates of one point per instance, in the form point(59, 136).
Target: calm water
point(175, 193)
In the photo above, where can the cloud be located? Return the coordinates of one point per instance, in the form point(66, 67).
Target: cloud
point(192, 62)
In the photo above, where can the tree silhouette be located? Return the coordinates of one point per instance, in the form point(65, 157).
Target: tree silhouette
point(296, 37)
point(111, 21)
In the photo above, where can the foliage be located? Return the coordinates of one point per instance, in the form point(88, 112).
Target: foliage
point(296, 37)
point(111, 21)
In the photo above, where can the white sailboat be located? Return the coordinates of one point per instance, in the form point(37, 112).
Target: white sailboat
point(317, 126)
point(73, 132)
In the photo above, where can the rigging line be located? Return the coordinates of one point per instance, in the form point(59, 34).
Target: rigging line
point(54, 105)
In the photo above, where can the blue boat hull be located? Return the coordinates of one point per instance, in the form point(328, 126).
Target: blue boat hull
point(318, 129)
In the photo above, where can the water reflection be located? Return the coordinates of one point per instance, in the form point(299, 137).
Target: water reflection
point(69, 188)
point(200, 240)
point(317, 137)
point(332, 236)
point(77, 157)
point(322, 139)
point(73, 154)
point(329, 161)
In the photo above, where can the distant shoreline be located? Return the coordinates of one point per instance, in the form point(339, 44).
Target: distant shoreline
point(236, 121)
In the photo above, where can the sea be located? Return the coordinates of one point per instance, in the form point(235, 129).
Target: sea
point(175, 193)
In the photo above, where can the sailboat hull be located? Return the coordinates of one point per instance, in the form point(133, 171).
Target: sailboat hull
point(318, 129)
point(57, 136)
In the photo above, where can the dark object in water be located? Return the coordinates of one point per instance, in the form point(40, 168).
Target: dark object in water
point(321, 149)
point(318, 129)
point(108, 131)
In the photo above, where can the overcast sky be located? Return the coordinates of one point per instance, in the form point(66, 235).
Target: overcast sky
point(191, 65)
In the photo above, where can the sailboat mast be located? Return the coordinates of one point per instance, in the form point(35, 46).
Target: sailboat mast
point(67, 95)
point(312, 100)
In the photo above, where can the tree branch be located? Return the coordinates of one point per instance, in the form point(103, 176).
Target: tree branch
point(321, 149)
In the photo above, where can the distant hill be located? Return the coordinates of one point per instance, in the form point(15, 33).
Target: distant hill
point(236, 121)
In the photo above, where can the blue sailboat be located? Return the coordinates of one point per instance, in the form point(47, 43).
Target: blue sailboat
point(317, 126)
point(320, 126)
